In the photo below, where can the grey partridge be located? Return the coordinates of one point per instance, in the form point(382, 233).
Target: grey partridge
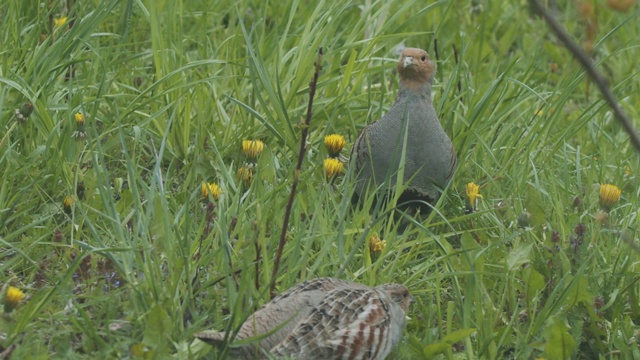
point(352, 323)
point(430, 159)
point(324, 318)
point(288, 308)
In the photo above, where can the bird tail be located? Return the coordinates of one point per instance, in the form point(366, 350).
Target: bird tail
point(212, 337)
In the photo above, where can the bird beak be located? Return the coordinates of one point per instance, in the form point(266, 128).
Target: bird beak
point(408, 60)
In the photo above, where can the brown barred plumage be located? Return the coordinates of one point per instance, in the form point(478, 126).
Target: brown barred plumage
point(328, 319)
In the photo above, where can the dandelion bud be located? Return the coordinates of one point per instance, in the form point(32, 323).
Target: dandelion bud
point(79, 119)
point(245, 175)
point(473, 192)
point(67, 204)
point(24, 112)
point(376, 245)
point(524, 219)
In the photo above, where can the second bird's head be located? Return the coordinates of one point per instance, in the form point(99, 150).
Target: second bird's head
point(416, 66)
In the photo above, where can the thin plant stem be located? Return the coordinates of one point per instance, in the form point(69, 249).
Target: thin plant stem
point(594, 74)
point(298, 170)
point(455, 56)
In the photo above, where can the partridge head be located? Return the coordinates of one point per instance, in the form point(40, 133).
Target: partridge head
point(412, 127)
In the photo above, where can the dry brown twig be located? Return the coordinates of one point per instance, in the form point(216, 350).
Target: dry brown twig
point(594, 74)
point(298, 170)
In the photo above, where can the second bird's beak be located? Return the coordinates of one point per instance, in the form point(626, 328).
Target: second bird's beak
point(408, 60)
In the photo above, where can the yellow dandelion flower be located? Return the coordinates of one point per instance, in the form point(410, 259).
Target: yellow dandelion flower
point(473, 192)
point(59, 22)
point(245, 175)
point(12, 298)
point(334, 144)
point(67, 203)
point(252, 148)
point(609, 195)
point(376, 245)
point(79, 119)
point(211, 188)
point(332, 167)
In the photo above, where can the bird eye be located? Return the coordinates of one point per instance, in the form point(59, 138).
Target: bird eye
point(423, 58)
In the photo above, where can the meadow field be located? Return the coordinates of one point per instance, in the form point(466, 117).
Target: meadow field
point(131, 218)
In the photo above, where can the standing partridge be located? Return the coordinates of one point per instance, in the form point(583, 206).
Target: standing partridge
point(288, 308)
point(430, 159)
point(358, 323)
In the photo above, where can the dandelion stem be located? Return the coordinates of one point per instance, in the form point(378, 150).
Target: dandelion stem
point(298, 170)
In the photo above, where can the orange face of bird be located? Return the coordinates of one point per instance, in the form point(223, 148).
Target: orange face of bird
point(415, 67)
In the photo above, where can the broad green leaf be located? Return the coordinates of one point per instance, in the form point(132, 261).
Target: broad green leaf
point(158, 327)
point(518, 257)
point(559, 343)
point(578, 291)
point(534, 282)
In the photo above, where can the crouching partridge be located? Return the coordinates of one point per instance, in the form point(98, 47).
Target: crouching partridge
point(430, 159)
point(324, 318)
point(356, 323)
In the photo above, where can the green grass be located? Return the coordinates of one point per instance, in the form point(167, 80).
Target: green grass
point(169, 89)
